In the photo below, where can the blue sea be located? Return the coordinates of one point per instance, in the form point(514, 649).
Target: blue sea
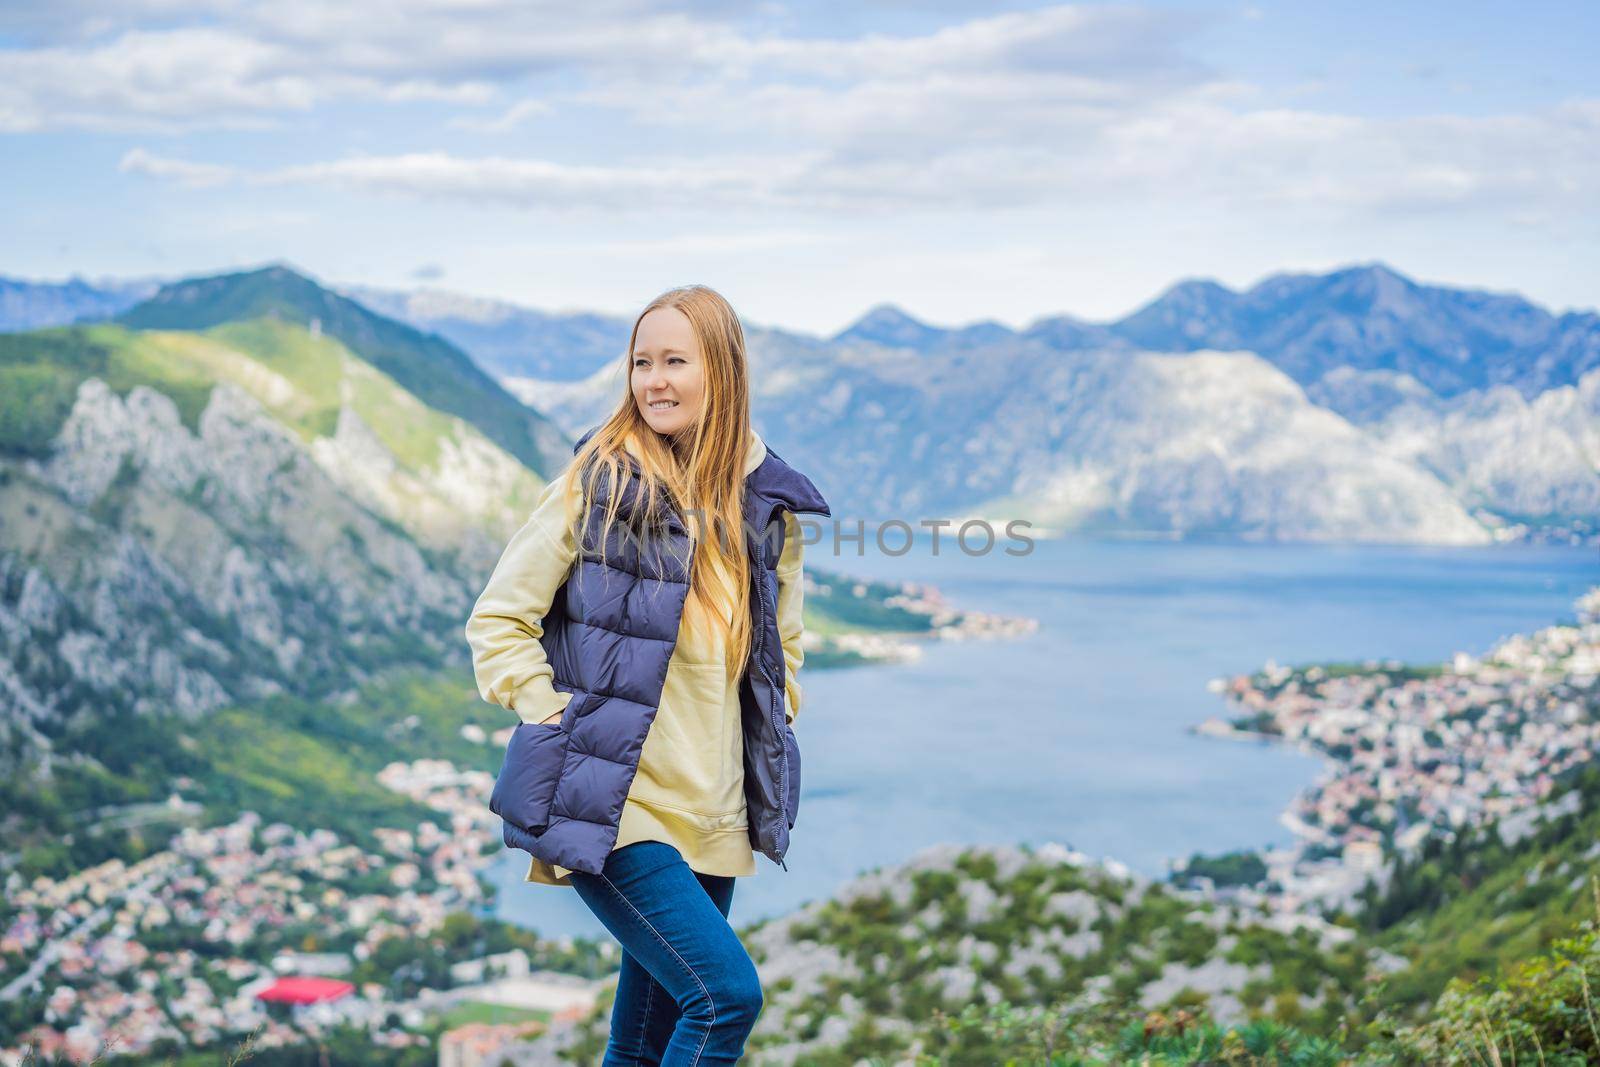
point(1077, 733)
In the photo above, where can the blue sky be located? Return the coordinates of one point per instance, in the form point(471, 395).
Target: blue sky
point(964, 161)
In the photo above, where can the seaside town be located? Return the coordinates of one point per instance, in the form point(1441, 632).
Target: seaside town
point(1411, 751)
point(269, 935)
point(944, 623)
point(246, 929)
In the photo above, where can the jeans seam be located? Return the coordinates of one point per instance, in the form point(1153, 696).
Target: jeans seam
point(681, 962)
point(644, 1022)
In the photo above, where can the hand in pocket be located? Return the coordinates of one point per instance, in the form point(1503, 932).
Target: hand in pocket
point(555, 718)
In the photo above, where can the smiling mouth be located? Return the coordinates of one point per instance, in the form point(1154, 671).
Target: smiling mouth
point(662, 405)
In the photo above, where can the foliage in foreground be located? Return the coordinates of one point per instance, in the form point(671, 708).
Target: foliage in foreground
point(1005, 1034)
point(1543, 1011)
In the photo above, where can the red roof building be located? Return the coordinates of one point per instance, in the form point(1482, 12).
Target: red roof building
point(305, 990)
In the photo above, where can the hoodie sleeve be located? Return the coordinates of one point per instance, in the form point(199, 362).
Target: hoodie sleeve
point(791, 597)
point(507, 622)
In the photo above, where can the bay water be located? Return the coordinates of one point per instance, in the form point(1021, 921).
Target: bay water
point(1077, 733)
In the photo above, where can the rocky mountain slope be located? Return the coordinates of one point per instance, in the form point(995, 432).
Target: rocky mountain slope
point(190, 519)
point(1534, 461)
point(1104, 440)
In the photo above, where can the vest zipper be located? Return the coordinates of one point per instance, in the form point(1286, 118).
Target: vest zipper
point(761, 667)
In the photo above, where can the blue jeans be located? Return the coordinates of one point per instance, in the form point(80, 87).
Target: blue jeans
point(688, 992)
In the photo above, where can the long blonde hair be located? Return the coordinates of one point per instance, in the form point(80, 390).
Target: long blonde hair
point(698, 471)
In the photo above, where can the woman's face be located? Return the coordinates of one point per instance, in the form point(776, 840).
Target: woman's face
point(667, 373)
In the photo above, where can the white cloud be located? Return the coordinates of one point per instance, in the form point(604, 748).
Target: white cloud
point(510, 119)
point(526, 183)
point(1182, 152)
point(149, 78)
point(193, 175)
point(1065, 105)
point(233, 62)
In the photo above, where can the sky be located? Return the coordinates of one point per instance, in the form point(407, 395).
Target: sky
point(963, 161)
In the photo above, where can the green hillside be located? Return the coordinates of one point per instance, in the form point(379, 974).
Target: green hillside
point(1474, 906)
point(435, 371)
point(304, 381)
point(40, 372)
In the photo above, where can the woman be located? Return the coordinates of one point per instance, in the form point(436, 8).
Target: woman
point(645, 625)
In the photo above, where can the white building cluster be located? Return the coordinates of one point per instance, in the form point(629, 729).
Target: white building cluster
point(1412, 752)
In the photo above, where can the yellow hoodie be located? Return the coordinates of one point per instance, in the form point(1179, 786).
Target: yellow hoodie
point(689, 788)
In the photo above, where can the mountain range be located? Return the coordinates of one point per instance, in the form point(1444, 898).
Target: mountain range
point(1356, 405)
point(1353, 405)
point(1367, 317)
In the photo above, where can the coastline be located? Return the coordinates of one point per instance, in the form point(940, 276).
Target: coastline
point(1414, 750)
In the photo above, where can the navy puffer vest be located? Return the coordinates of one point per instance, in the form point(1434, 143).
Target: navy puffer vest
point(609, 636)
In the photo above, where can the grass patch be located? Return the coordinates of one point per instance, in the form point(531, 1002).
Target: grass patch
point(473, 1011)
